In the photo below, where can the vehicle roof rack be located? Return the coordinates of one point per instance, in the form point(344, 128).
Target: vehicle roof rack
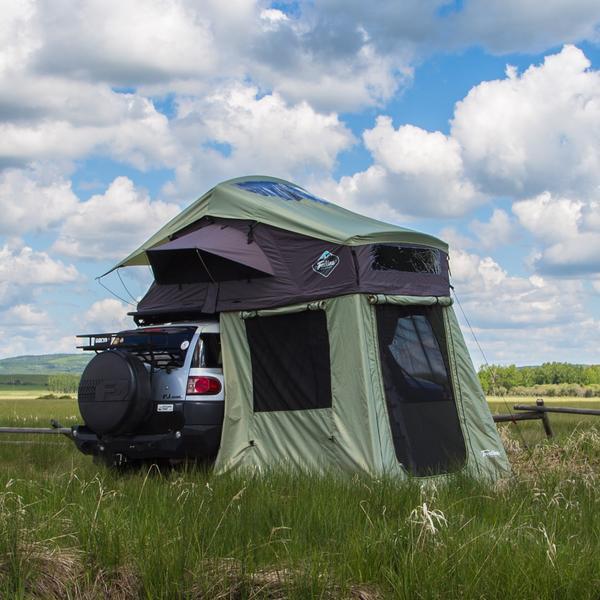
point(158, 353)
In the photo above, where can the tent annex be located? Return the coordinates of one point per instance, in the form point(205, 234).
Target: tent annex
point(341, 348)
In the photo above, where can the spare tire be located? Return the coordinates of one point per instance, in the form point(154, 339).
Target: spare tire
point(115, 393)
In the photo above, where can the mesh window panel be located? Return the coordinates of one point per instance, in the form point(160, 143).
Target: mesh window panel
point(290, 361)
point(420, 401)
point(410, 260)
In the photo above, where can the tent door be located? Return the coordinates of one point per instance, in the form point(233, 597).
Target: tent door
point(420, 400)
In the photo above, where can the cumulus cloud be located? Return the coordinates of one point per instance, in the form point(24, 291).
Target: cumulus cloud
point(186, 46)
point(128, 42)
point(126, 127)
point(234, 130)
point(25, 315)
point(499, 230)
point(107, 315)
point(572, 257)
point(531, 137)
point(336, 54)
point(289, 62)
point(549, 219)
point(415, 173)
point(569, 231)
point(521, 320)
point(534, 131)
point(110, 225)
point(523, 26)
point(23, 269)
point(29, 201)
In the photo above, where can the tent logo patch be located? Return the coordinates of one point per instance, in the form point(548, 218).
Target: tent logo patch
point(490, 453)
point(326, 263)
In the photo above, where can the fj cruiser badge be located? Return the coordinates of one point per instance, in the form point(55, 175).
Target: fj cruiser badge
point(326, 263)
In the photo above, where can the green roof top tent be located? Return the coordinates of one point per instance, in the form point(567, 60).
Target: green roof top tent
point(341, 349)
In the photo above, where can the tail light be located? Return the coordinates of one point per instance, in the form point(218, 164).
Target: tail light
point(203, 386)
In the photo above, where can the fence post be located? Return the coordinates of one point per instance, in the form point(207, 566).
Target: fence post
point(545, 419)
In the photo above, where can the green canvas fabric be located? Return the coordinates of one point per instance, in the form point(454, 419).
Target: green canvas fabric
point(408, 300)
point(343, 438)
point(322, 220)
point(354, 435)
point(486, 455)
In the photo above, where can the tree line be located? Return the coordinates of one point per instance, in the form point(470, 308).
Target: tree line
point(498, 379)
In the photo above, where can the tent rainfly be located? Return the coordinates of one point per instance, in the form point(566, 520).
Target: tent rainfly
point(341, 349)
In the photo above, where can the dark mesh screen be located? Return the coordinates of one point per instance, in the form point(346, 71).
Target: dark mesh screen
point(400, 258)
point(423, 417)
point(290, 361)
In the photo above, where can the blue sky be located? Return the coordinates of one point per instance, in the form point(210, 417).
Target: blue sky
point(475, 121)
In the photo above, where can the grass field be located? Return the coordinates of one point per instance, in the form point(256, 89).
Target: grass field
point(71, 529)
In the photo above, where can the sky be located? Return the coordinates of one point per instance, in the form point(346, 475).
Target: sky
point(476, 121)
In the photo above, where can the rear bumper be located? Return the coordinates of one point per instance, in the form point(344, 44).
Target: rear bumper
point(194, 431)
point(199, 442)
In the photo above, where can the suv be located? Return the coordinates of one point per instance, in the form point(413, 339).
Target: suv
point(152, 393)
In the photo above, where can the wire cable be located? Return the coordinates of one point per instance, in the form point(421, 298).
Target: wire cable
point(99, 280)
point(124, 286)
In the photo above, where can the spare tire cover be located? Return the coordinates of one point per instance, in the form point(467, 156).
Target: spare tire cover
point(114, 393)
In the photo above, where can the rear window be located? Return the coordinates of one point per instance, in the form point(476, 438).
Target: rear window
point(207, 353)
point(159, 346)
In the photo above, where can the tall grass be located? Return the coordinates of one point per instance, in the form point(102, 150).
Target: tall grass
point(71, 529)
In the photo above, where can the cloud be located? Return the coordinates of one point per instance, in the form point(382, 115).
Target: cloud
point(505, 26)
point(337, 54)
point(499, 230)
point(25, 315)
point(107, 315)
point(30, 201)
point(569, 231)
point(185, 46)
point(234, 130)
point(110, 225)
point(126, 127)
point(549, 219)
point(572, 257)
point(534, 131)
point(531, 138)
point(522, 320)
point(415, 173)
point(345, 76)
point(123, 42)
point(23, 270)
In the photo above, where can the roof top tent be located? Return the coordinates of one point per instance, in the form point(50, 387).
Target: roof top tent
point(341, 348)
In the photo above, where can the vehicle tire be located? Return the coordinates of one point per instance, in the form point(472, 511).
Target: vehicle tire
point(115, 393)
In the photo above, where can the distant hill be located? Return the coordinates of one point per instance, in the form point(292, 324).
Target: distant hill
point(45, 364)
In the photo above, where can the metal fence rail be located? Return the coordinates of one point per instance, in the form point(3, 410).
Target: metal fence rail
point(539, 411)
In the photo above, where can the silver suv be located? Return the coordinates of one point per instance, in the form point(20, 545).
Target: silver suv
point(152, 393)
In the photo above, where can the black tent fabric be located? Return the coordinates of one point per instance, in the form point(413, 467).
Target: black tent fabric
point(210, 253)
point(213, 268)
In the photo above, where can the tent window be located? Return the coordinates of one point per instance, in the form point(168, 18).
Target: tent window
point(398, 258)
point(420, 401)
point(290, 361)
